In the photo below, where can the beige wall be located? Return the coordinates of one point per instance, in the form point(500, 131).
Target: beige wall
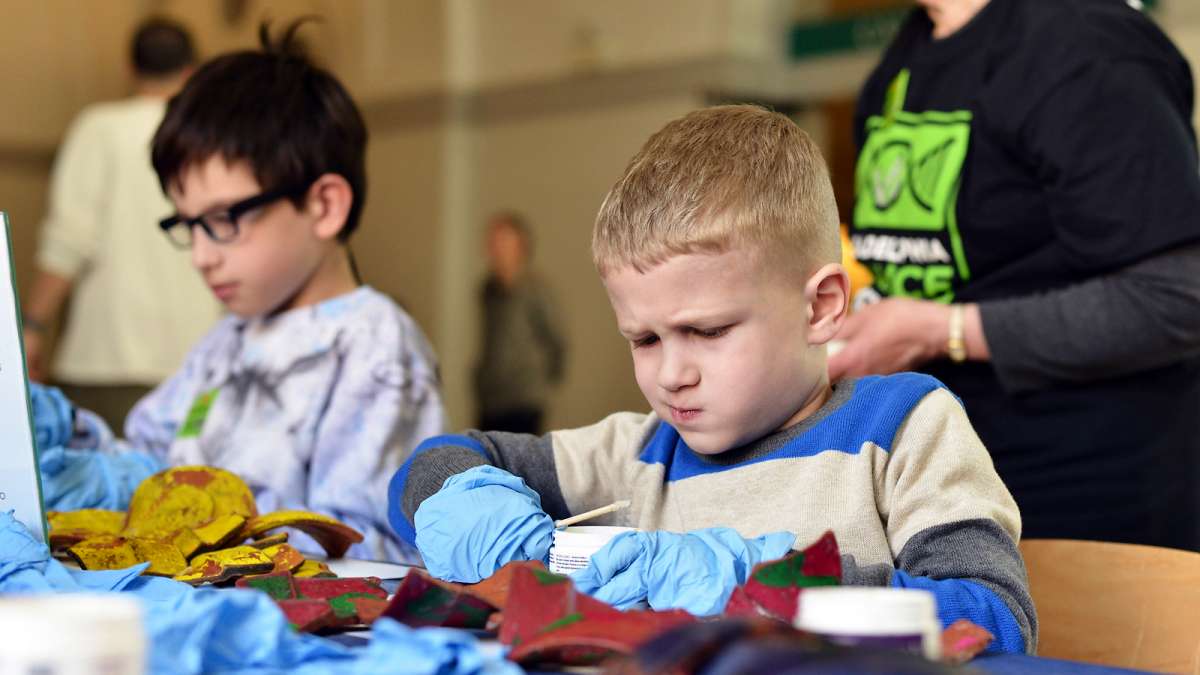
point(473, 105)
point(556, 168)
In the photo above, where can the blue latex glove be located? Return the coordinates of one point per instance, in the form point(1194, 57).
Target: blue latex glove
point(93, 479)
point(696, 571)
point(53, 416)
point(192, 631)
point(480, 520)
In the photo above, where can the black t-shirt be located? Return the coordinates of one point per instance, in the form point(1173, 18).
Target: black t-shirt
point(1043, 144)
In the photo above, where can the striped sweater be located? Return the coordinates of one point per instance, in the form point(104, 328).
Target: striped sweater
point(890, 464)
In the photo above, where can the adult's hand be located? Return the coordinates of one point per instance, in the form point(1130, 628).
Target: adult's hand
point(890, 336)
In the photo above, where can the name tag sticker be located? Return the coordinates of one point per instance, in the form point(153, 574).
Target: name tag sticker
point(197, 414)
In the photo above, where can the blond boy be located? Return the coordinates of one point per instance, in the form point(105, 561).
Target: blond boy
point(718, 248)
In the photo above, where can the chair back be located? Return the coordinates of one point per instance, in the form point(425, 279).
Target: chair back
point(1121, 605)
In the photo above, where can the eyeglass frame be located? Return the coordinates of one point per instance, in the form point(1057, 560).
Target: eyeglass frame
point(234, 212)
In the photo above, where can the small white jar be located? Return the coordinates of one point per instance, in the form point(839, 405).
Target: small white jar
point(573, 546)
point(72, 634)
point(893, 618)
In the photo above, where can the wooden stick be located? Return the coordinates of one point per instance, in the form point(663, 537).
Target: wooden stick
point(588, 515)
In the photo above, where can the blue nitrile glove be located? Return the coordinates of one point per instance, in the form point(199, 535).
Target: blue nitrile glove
point(481, 519)
point(93, 479)
point(53, 416)
point(696, 571)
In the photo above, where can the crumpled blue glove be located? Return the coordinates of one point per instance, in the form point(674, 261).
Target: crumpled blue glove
point(53, 416)
point(696, 571)
point(481, 519)
point(93, 479)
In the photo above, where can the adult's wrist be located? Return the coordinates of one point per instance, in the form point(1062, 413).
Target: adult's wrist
point(956, 342)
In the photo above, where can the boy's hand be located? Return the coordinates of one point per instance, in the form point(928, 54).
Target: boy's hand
point(696, 571)
point(480, 520)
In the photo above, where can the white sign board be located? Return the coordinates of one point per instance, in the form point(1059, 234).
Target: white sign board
point(20, 490)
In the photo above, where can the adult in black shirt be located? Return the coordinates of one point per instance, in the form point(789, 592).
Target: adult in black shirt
point(1028, 181)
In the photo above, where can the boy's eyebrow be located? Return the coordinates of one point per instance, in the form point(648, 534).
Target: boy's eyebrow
point(214, 206)
point(686, 321)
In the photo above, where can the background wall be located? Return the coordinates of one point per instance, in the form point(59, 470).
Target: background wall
point(473, 106)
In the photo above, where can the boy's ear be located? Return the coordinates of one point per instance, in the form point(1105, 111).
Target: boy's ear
point(329, 199)
point(827, 294)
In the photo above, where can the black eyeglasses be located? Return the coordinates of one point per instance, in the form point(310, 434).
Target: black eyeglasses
point(222, 226)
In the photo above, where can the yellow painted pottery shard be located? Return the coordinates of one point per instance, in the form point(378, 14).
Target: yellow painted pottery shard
point(285, 557)
point(313, 569)
point(165, 560)
point(187, 497)
point(72, 527)
point(333, 535)
point(269, 540)
point(226, 564)
point(103, 552)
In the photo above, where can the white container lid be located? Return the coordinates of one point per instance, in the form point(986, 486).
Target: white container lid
point(72, 633)
point(844, 610)
point(591, 537)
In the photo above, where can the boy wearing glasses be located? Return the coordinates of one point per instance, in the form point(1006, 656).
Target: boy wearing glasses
point(315, 388)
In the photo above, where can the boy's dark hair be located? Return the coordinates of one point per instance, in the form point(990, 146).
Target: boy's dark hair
point(290, 120)
point(161, 47)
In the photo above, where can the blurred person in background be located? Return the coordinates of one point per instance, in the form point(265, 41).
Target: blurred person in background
point(523, 346)
point(136, 306)
point(1028, 202)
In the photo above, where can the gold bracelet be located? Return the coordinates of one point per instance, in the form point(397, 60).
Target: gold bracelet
point(956, 344)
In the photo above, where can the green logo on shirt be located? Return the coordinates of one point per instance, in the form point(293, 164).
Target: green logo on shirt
point(197, 414)
point(906, 184)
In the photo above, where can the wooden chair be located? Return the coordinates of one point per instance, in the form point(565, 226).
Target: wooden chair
point(1116, 604)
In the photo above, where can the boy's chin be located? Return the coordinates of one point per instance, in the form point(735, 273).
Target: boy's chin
point(705, 444)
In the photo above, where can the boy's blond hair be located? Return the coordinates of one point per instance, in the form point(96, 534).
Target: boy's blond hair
point(719, 178)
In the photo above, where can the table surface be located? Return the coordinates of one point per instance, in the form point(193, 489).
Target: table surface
point(993, 664)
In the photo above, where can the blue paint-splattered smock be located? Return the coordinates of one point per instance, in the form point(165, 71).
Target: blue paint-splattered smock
point(315, 408)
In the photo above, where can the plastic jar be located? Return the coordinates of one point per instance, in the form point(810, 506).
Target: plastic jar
point(72, 634)
point(573, 546)
point(894, 618)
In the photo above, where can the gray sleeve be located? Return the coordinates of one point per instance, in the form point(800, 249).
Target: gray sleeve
point(1139, 318)
point(978, 551)
point(530, 457)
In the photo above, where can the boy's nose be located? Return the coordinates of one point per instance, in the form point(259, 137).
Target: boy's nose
point(205, 253)
point(676, 371)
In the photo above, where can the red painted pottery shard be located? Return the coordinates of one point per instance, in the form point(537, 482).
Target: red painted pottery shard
point(323, 589)
point(423, 601)
point(538, 599)
point(576, 640)
point(963, 641)
point(740, 605)
point(308, 616)
point(494, 589)
point(278, 585)
point(368, 609)
point(774, 587)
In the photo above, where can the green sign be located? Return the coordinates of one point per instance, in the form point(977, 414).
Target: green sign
point(849, 33)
